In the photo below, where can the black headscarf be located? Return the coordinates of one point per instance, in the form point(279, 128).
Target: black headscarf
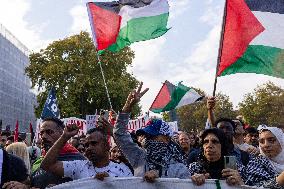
point(214, 168)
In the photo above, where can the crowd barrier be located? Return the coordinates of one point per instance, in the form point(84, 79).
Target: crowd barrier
point(139, 183)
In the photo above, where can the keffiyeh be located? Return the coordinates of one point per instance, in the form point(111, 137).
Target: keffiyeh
point(160, 154)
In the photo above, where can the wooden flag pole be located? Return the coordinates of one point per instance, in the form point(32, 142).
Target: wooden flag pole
point(220, 46)
point(103, 75)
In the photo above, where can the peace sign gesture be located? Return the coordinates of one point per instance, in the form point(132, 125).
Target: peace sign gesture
point(133, 98)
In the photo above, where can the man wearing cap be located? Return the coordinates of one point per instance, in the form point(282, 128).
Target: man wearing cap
point(162, 157)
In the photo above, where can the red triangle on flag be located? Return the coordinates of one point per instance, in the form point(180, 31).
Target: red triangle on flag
point(241, 27)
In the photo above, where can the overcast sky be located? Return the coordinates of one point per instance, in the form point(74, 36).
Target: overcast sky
point(187, 52)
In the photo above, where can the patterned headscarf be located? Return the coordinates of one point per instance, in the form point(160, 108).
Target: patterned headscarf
point(160, 154)
point(278, 161)
point(156, 127)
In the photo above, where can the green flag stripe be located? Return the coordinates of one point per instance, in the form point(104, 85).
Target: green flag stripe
point(141, 29)
point(176, 96)
point(261, 60)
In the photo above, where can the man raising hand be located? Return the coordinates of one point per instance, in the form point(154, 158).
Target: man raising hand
point(97, 152)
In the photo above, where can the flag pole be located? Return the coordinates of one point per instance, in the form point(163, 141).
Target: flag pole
point(220, 46)
point(98, 56)
point(103, 75)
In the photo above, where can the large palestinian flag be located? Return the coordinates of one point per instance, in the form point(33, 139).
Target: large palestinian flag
point(117, 24)
point(171, 97)
point(253, 40)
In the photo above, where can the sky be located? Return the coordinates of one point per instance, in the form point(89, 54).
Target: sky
point(187, 52)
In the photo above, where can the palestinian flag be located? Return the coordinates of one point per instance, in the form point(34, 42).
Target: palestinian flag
point(171, 97)
point(253, 38)
point(117, 24)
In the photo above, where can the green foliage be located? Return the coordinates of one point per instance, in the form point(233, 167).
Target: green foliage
point(71, 67)
point(264, 105)
point(194, 116)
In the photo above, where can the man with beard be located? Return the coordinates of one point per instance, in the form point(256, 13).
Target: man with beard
point(97, 152)
point(50, 130)
point(162, 158)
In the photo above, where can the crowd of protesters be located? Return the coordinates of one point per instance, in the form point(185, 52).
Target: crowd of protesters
point(60, 155)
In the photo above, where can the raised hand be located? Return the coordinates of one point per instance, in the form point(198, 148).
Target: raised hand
point(70, 131)
point(211, 103)
point(105, 125)
point(133, 98)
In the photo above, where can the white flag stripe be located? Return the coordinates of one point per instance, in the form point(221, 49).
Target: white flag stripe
point(190, 97)
point(273, 34)
point(157, 7)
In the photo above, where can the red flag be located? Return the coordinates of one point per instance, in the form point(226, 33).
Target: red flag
point(163, 97)
point(241, 27)
point(105, 23)
point(16, 135)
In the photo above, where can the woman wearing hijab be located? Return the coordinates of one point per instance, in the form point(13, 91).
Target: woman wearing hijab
point(265, 170)
point(210, 162)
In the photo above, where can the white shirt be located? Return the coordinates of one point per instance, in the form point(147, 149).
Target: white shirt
point(83, 169)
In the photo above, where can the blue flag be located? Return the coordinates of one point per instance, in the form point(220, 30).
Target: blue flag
point(50, 107)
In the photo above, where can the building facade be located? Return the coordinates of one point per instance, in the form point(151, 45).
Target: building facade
point(16, 99)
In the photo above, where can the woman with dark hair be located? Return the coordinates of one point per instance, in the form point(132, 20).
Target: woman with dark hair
point(210, 162)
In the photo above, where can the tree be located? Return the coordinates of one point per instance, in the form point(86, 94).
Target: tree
point(71, 67)
point(194, 116)
point(264, 105)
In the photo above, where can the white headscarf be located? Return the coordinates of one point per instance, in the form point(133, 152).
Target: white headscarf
point(278, 161)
